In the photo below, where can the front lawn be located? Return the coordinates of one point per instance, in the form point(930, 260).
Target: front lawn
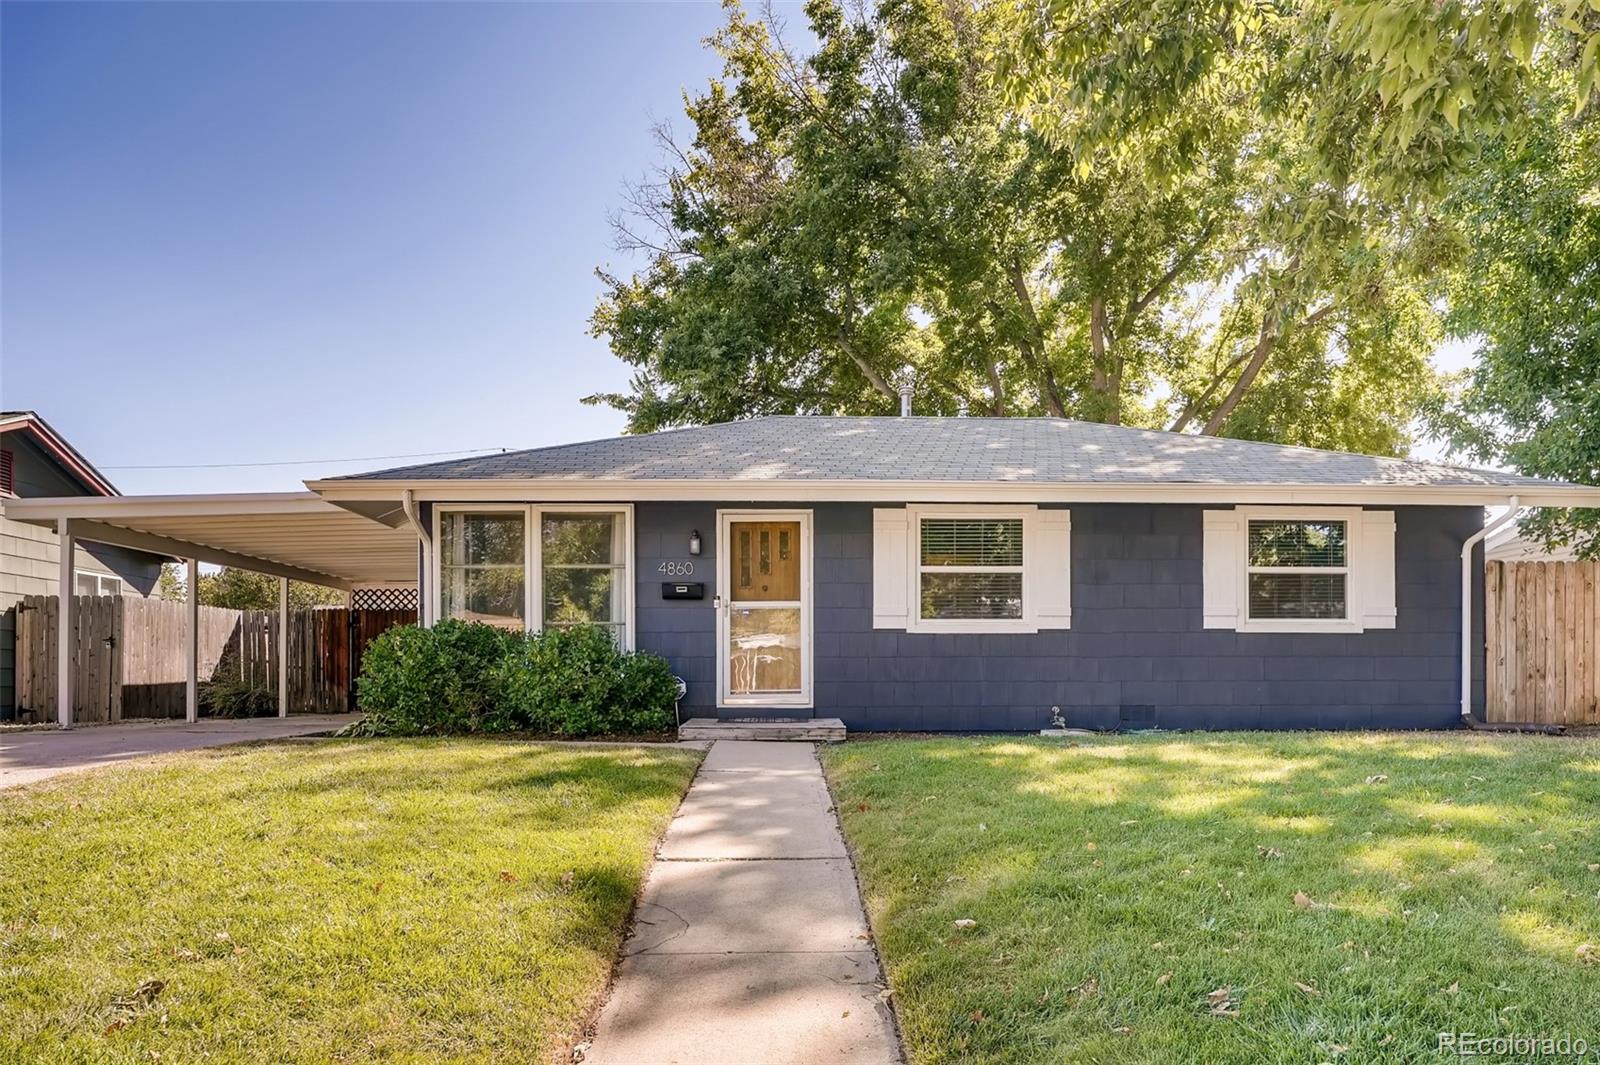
point(417, 900)
point(1229, 897)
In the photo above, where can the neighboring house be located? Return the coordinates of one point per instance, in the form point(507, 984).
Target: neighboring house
point(36, 461)
point(927, 573)
point(1510, 545)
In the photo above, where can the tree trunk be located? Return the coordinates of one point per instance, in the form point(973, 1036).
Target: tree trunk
point(875, 378)
point(1266, 340)
point(1107, 379)
point(1032, 350)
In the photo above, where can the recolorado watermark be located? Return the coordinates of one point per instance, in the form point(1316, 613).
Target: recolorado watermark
point(1516, 1047)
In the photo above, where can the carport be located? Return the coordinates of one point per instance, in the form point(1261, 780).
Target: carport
point(289, 535)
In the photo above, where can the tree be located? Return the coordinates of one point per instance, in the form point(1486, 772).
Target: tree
point(882, 203)
point(1529, 295)
point(239, 589)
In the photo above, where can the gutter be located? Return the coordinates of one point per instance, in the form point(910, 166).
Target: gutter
point(408, 504)
point(1466, 601)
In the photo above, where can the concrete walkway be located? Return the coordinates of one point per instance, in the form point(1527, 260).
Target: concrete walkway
point(26, 755)
point(750, 946)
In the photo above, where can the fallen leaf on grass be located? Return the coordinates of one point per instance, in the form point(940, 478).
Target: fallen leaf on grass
point(886, 994)
point(1270, 853)
point(1453, 989)
point(507, 876)
point(1302, 901)
point(966, 922)
point(1122, 1029)
point(977, 1016)
point(1378, 778)
point(1164, 979)
point(1308, 989)
point(1222, 1002)
point(567, 878)
point(1587, 953)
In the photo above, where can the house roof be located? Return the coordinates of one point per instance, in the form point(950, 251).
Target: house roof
point(1510, 545)
point(945, 450)
point(68, 457)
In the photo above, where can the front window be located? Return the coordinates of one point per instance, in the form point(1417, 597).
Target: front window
point(583, 570)
point(571, 570)
point(970, 569)
point(1298, 570)
point(483, 568)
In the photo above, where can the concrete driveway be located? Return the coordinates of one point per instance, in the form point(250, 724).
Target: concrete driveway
point(26, 756)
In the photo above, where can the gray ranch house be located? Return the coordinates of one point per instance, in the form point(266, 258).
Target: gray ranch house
point(926, 573)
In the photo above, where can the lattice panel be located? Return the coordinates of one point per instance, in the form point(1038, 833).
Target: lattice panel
point(384, 599)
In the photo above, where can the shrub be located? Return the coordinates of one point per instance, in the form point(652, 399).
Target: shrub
point(233, 697)
point(577, 682)
point(459, 677)
point(451, 678)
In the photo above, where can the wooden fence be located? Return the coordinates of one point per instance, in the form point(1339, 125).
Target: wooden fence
point(1542, 624)
point(129, 655)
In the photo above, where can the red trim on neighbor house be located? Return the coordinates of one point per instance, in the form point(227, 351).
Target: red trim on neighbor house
point(63, 452)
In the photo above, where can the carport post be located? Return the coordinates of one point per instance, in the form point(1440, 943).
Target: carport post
point(283, 646)
point(66, 610)
point(191, 646)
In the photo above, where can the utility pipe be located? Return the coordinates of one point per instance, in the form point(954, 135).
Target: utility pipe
point(1466, 601)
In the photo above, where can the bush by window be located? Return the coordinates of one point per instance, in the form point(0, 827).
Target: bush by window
point(463, 677)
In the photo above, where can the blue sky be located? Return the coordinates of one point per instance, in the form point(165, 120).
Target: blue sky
point(241, 233)
point(250, 232)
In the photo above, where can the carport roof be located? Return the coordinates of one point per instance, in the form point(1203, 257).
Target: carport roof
point(297, 535)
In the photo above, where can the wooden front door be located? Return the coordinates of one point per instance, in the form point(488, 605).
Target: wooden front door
point(764, 627)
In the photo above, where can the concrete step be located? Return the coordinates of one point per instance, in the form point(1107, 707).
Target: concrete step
point(809, 730)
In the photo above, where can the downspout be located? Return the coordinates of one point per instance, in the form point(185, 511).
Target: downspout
point(1466, 601)
point(424, 599)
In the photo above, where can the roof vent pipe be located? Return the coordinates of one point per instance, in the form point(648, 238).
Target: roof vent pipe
point(906, 381)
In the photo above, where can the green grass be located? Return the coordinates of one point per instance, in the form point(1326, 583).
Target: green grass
point(348, 901)
point(1117, 883)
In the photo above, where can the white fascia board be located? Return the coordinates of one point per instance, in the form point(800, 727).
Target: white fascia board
point(46, 509)
point(732, 491)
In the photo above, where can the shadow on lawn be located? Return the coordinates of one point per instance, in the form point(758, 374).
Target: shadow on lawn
point(1421, 864)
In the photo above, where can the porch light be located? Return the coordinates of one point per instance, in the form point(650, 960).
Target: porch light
point(694, 542)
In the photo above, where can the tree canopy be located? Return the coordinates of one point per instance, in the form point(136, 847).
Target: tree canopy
point(239, 589)
point(1208, 216)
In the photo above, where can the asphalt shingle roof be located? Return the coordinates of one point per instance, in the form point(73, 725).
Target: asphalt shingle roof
point(977, 450)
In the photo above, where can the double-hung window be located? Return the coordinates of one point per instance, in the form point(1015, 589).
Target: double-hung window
point(958, 568)
point(572, 570)
point(970, 569)
point(1298, 569)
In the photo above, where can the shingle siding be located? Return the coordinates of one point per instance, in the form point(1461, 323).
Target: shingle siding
point(1136, 652)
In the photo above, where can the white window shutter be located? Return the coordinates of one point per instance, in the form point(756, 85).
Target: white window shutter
point(1374, 570)
point(891, 551)
point(1048, 558)
point(1223, 569)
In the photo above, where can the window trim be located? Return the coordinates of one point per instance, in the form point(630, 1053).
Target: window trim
point(916, 513)
point(119, 585)
point(1353, 614)
point(532, 556)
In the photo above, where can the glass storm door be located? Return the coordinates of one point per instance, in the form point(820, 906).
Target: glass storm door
point(765, 631)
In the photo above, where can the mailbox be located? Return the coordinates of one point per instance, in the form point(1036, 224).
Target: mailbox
point(683, 590)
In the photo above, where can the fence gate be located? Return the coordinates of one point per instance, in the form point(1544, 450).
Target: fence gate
point(1543, 637)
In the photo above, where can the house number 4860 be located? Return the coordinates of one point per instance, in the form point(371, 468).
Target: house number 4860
point(676, 569)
